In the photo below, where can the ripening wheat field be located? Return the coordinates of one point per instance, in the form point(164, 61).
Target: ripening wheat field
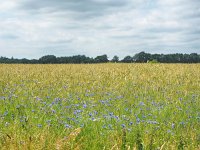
point(101, 106)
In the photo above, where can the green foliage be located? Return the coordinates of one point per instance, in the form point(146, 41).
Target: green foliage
point(48, 59)
point(101, 59)
point(139, 142)
point(127, 59)
point(181, 144)
point(115, 59)
point(153, 61)
point(123, 139)
point(141, 57)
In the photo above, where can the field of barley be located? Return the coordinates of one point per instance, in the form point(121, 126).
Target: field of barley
point(100, 107)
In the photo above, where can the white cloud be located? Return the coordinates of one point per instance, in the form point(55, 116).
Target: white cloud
point(93, 27)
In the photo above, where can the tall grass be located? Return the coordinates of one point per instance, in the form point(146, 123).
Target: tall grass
point(101, 106)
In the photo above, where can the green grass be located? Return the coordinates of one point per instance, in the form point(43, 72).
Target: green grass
point(101, 106)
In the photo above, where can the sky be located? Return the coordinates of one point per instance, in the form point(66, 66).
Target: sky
point(34, 28)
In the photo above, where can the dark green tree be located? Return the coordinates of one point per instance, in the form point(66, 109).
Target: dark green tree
point(115, 59)
point(48, 59)
point(101, 59)
point(127, 59)
point(142, 57)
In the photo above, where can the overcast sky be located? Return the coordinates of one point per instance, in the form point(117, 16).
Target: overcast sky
point(33, 28)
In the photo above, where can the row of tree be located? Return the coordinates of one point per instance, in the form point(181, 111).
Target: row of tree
point(141, 57)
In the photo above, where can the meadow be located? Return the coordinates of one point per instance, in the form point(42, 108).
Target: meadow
point(100, 106)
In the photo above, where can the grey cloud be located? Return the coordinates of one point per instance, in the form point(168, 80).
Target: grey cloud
point(77, 6)
point(9, 37)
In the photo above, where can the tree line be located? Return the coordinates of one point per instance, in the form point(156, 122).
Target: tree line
point(141, 57)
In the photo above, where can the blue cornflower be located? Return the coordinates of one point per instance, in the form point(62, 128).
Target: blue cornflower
point(169, 131)
point(48, 121)
point(111, 113)
point(67, 126)
point(39, 125)
point(53, 111)
point(182, 123)
point(138, 120)
point(77, 111)
point(152, 122)
point(123, 125)
point(110, 126)
point(141, 104)
point(90, 114)
point(5, 113)
point(84, 105)
point(130, 123)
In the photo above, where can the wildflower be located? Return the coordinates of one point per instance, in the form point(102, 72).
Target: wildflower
point(169, 131)
point(67, 126)
point(5, 113)
point(173, 125)
point(76, 105)
point(152, 122)
point(38, 99)
point(84, 105)
point(130, 123)
point(77, 112)
point(7, 123)
point(138, 120)
point(68, 107)
point(39, 125)
point(90, 114)
point(119, 97)
point(13, 116)
point(53, 111)
point(123, 125)
point(129, 130)
point(141, 104)
point(116, 117)
point(2, 98)
point(48, 121)
point(18, 106)
point(93, 119)
point(182, 123)
point(110, 126)
point(57, 99)
point(95, 112)
point(143, 116)
point(111, 113)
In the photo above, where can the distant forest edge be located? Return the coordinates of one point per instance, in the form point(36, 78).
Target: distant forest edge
point(141, 57)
